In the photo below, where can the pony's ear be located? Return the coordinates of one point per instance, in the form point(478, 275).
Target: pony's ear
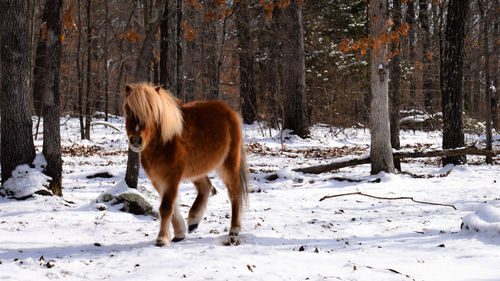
point(158, 89)
point(128, 88)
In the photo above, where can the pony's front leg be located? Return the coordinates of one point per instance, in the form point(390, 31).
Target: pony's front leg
point(170, 213)
point(163, 238)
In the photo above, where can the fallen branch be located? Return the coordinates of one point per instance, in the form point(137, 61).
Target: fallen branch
point(377, 180)
point(428, 176)
point(398, 155)
point(386, 198)
point(106, 124)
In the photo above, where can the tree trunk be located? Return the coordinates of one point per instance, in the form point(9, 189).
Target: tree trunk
point(453, 135)
point(141, 74)
point(380, 148)
point(178, 44)
point(192, 61)
point(40, 67)
point(487, 77)
point(395, 75)
point(294, 82)
point(51, 98)
point(88, 109)
point(79, 71)
point(245, 52)
point(274, 79)
point(496, 72)
point(168, 48)
point(106, 51)
point(209, 59)
point(15, 99)
point(410, 19)
point(426, 55)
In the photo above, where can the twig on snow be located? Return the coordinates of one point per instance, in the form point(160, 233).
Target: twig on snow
point(386, 198)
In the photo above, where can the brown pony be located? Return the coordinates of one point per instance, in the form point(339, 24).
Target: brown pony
point(186, 141)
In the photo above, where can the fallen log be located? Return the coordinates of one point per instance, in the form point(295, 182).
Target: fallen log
point(398, 155)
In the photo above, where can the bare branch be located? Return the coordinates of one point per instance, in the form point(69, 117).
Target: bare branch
point(386, 198)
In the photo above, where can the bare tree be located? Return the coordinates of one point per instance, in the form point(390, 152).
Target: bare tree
point(88, 98)
point(141, 74)
point(245, 52)
point(395, 75)
point(15, 100)
point(294, 82)
point(487, 77)
point(51, 97)
point(380, 148)
point(452, 75)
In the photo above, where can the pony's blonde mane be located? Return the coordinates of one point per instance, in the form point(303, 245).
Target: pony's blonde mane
point(146, 102)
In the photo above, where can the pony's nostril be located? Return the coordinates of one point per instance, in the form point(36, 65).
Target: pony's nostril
point(131, 140)
point(140, 141)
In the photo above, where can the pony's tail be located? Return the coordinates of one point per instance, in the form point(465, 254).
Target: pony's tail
point(243, 171)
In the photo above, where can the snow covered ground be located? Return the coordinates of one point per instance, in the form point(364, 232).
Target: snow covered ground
point(288, 234)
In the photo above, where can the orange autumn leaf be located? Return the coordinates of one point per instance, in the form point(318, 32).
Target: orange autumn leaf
point(209, 15)
point(67, 18)
point(343, 46)
point(403, 29)
point(190, 34)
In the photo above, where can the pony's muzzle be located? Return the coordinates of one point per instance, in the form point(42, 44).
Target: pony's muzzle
point(135, 143)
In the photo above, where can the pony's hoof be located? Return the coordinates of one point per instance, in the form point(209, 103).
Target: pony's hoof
point(177, 239)
point(162, 242)
point(192, 228)
point(234, 231)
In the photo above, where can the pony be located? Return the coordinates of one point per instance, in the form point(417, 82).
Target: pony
point(186, 141)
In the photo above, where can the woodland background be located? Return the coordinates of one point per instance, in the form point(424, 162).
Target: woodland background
point(102, 40)
point(286, 64)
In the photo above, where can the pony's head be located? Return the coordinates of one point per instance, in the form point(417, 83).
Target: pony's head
point(151, 113)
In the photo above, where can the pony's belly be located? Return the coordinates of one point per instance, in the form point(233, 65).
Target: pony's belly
point(201, 166)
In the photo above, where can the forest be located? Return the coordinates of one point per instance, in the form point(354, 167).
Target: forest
point(380, 101)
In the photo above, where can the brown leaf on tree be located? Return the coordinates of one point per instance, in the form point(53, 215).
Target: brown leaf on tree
point(209, 15)
point(67, 18)
point(403, 29)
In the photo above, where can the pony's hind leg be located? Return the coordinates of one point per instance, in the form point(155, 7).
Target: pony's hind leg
point(204, 187)
point(178, 225)
point(230, 175)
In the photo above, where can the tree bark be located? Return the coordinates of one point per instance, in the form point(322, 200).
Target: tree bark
point(79, 71)
point(168, 48)
point(178, 44)
point(209, 50)
point(88, 109)
point(15, 99)
point(294, 82)
point(453, 135)
point(106, 70)
point(487, 77)
point(192, 62)
point(39, 69)
point(380, 148)
point(395, 75)
point(245, 52)
point(426, 53)
point(141, 74)
point(51, 98)
point(410, 19)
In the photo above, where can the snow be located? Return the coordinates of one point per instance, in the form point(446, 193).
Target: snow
point(26, 180)
point(288, 234)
